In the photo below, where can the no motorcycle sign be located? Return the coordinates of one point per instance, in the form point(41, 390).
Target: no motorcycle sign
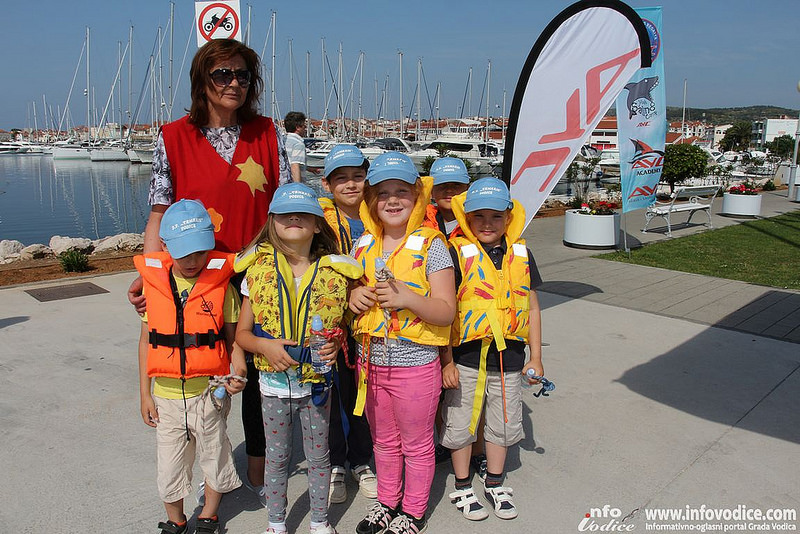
point(217, 20)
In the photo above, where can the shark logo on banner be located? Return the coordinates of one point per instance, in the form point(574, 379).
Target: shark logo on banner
point(642, 123)
point(573, 74)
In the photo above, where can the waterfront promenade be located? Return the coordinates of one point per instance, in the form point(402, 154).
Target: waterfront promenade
point(673, 390)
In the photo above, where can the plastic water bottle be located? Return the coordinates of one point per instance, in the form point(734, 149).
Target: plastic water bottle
point(220, 392)
point(315, 343)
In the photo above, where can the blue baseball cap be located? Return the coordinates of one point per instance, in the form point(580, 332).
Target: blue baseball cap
point(392, 166)
point(186, 228)
point(343, 156)
point(295, 198)
point(449, 170)
point(487, 194)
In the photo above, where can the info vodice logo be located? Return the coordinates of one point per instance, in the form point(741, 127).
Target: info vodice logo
point(605, 519)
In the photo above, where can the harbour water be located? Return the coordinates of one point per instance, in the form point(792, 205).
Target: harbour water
point(40, 198)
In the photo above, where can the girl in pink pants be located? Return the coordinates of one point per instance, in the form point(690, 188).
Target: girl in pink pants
point(404, 309)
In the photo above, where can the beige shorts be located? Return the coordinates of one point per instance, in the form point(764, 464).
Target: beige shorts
point(209, 441)
point(457, 409)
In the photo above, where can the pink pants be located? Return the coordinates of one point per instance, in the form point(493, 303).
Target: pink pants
point(401, 409)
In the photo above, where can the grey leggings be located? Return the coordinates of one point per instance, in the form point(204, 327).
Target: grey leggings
point(314, 421)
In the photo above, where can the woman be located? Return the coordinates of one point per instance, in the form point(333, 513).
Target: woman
point(231, 159)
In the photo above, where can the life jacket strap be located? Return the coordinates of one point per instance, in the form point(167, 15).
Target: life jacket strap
point(207, 339)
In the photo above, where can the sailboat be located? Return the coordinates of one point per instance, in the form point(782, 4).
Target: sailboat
point(70, 151)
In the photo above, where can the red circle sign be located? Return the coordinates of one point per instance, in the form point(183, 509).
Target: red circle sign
point(208, 28)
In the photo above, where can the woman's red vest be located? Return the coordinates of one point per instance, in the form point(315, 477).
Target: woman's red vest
point(236, 195)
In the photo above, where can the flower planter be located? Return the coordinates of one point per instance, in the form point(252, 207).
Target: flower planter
point(590, 231)
point(741, 205)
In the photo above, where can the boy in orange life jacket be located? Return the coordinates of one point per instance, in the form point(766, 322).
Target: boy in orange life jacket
point(498, 315)
point(345, 172)
point(450, 178)
point(186, 338)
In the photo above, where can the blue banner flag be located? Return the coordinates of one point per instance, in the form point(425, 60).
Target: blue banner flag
point(642, 123)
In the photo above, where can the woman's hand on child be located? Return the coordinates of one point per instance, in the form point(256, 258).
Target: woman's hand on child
point(273, 350)
point(537, 367)
point(149, 411)
point(393, 294)
point(450, 376)
point(135, 296)
point(362, 298)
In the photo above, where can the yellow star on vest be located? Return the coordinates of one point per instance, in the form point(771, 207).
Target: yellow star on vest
point(252, 174)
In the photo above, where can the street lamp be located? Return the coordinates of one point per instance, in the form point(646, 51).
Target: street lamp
point(793, 172)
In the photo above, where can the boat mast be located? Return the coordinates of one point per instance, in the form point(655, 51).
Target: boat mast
point(340, 129)
point(438, 97)
point(360, 87)
point(171, 36)
point(308, 87)
point(130, 78)
point(402, 111)
point(291, 78)
point(325, 93)
point(469, 102)
point(272, 77)
point(488, 85)
point(419, 90)
point(88, 92)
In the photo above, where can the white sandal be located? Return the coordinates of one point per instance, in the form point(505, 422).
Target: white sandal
point(466, 501)
point(500, 498)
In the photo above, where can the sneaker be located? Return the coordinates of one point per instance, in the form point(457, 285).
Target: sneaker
point(500, 498)
point(367, 481)
point(271, 530)
point(324, 529)
point(406, 524)
point(479, 464)
point(172, 528)
point(338, 491)
point(441, 454)
point(260, 491)
point(378, 518)
point(207, 525)
point(466, 501)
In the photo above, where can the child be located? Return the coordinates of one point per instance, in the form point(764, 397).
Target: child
point(450, 178)
point(399, 370)
point(498, 315)
point(345, 172)
point(187, 337)
point(293, 274)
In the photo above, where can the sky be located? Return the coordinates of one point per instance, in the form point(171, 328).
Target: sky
point(732, 53)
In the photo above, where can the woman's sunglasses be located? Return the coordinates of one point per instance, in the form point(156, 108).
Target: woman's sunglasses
point(224, 77)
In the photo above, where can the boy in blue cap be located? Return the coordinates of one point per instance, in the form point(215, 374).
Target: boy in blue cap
point(498, 316)
point(345, 172)
point(450, 178)
point(186, 345)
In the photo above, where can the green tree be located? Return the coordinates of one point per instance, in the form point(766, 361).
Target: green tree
point(737, 137)
point(682, 162)
point(782, 147)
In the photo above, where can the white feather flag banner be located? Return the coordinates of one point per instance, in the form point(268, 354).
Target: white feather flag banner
point(573, 74)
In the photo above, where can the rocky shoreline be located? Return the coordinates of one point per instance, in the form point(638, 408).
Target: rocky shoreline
point(12, 251)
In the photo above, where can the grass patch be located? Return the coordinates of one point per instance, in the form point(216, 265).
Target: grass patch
point(763, 251)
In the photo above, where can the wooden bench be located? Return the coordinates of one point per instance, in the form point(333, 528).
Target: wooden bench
point(689, 199)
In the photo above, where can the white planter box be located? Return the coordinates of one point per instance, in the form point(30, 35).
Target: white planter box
point(590, 231)
point(747, 205)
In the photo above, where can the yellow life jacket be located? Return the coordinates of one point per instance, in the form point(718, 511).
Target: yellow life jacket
point(492, 304)
point(408, 263)
point(185, 341)
point(338, 221)
point(283, 312)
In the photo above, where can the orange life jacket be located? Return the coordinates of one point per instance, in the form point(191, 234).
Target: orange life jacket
point(185, 342)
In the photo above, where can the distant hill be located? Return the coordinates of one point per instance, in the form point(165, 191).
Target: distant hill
point(730, 115)
point(726, 115)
